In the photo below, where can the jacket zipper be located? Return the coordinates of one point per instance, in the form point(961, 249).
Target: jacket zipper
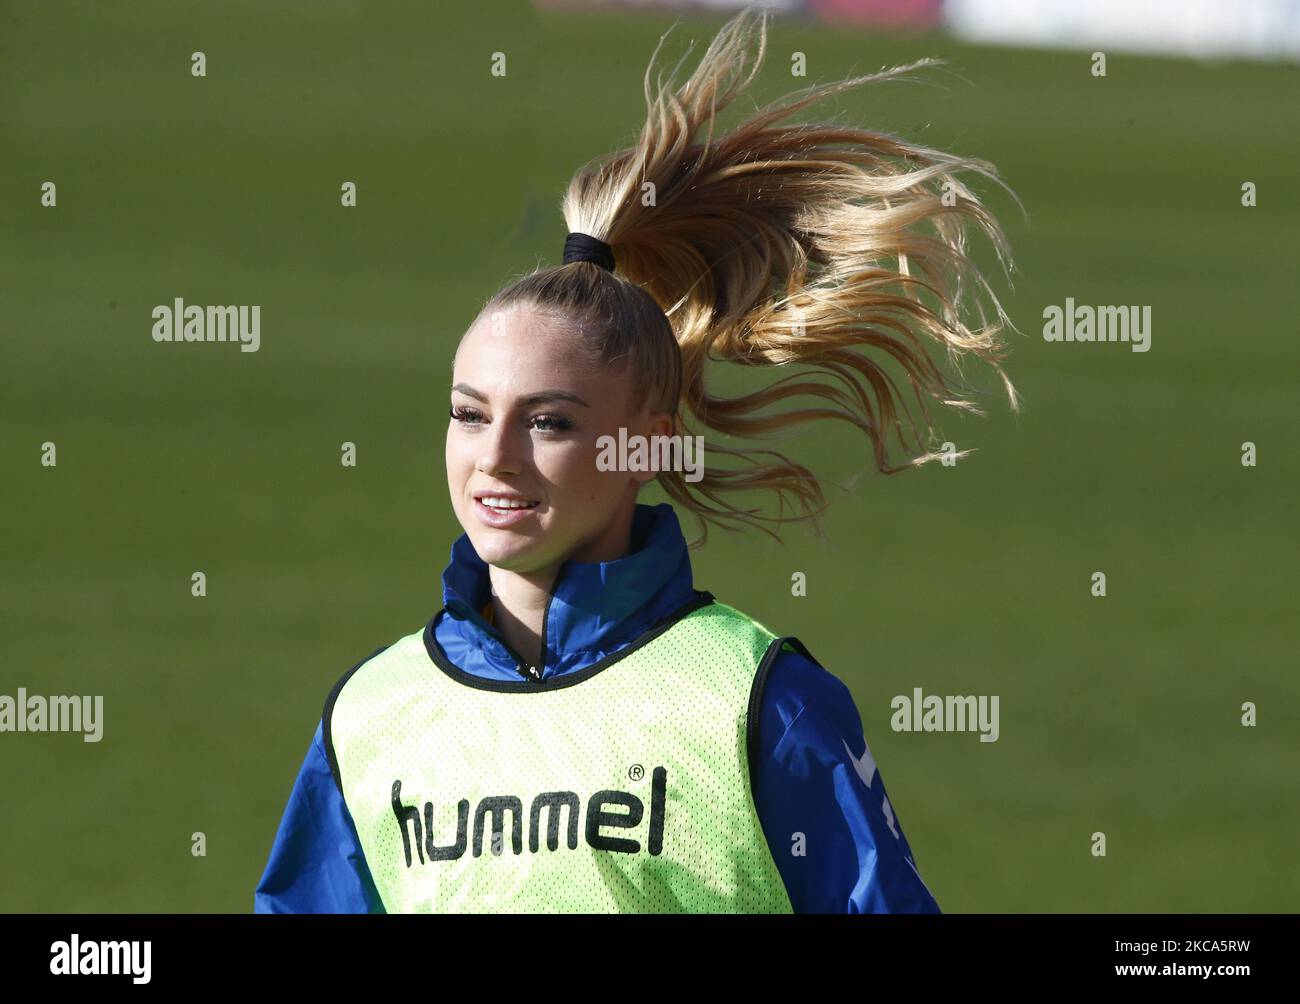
point(546, 613)
point(522, 666)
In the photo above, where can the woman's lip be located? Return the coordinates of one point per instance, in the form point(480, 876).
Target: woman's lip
point(501, 517)
point(512, 496)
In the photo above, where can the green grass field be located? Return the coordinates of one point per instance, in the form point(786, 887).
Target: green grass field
point(1119, 715)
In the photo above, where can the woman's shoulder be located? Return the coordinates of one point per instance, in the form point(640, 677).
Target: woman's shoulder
point(384, 655)
point(788, 668)
point(792, 678)
point(786, 649)
point(801, 676)
point(407, 645)
point(805, 710)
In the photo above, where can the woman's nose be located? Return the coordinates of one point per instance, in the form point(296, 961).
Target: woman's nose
point(498, 453)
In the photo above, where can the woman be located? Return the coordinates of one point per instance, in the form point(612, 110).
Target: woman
point(579, 728)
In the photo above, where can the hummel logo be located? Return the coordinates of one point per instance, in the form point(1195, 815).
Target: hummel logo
point(609, 809)
point(866, 768)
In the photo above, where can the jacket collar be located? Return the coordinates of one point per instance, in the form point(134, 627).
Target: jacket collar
point(595, 607)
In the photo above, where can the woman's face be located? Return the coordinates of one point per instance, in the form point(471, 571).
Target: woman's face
point(528, 407)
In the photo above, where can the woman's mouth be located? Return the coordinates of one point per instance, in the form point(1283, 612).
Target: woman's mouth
point(501, 511)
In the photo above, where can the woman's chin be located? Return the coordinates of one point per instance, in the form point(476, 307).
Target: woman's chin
point(511, 552)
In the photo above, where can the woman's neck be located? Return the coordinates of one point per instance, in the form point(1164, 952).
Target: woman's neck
point(518, 606)
point(519, 599)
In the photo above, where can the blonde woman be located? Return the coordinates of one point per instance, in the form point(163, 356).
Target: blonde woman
point(579, 728)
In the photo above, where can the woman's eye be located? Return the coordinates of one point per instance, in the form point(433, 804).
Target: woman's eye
point(542, 423)
point(552, 423)
point(467, 416)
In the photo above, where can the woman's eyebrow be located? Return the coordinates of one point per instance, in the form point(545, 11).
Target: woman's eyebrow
point(540, 397)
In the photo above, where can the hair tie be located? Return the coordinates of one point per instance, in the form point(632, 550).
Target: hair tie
point(583, 247)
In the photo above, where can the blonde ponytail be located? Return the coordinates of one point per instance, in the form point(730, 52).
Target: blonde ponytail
point(770, 245)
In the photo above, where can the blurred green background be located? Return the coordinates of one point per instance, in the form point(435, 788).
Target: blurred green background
point(1119, 714)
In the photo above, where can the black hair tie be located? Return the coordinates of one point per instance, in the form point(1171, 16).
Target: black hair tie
point(583, 247)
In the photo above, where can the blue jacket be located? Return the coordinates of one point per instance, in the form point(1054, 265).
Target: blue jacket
point(814, 775)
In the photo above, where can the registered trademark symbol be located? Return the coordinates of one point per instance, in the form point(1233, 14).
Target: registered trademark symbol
point(636, 772)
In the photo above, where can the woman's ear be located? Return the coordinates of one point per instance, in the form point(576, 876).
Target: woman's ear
point(661, 424)
point(652, 425)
